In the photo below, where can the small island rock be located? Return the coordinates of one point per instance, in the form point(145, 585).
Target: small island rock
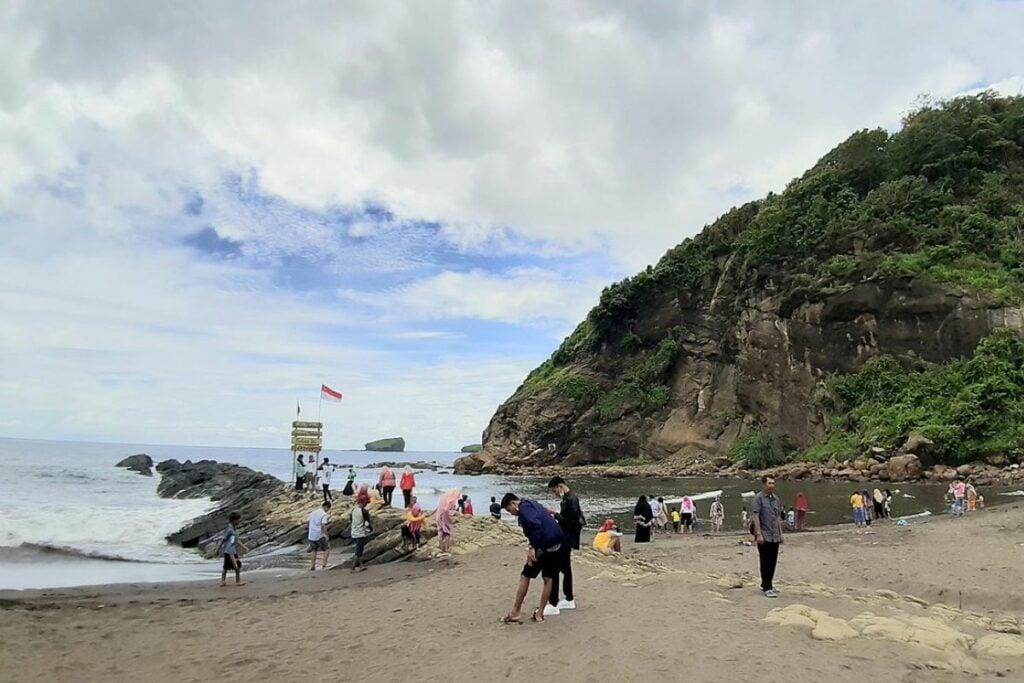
point(393, 445)
point(141, 463)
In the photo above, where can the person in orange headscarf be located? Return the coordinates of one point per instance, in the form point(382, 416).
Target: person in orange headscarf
point(608, 539)
point(801, 510)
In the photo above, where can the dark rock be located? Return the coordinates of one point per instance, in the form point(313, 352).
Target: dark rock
point(398, 465)
point(141, 463)
point(905, 467)
point(392, 445)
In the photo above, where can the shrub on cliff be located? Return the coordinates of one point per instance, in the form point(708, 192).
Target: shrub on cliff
point(970, 408)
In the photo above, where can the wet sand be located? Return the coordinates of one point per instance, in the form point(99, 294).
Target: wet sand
point(935, 601)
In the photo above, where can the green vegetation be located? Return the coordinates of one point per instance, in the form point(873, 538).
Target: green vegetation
point(970, 408)
point(633, 462)
point(760, 449)
point(642, 388)
point(943, 198)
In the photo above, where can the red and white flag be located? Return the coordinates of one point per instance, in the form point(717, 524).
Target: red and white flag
point(328, 394)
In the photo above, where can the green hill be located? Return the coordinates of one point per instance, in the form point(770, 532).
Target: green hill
point(841, 314)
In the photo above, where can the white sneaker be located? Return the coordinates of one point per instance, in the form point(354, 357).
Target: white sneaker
point(566, 604)
point(550, 611)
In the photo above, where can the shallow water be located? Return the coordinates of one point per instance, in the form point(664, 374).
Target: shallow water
point(110, 525)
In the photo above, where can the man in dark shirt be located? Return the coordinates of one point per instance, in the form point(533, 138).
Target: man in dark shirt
point(570, 519)
point(495, 508)
point(543, 557)
point(766, 511)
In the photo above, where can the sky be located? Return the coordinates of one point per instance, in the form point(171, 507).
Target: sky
point(208, 209)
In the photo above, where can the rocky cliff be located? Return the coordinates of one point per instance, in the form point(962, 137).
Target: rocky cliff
point(393, 445)
point(906, 248)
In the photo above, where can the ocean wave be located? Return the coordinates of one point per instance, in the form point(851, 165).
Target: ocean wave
point(28, 551)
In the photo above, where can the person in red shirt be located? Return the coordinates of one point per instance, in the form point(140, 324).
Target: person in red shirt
point(407, 484)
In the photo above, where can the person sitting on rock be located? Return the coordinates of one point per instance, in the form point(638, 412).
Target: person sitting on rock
point(411, 530)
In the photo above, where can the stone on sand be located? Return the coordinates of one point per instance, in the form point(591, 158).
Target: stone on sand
point(1000, 645)
point(831, 628)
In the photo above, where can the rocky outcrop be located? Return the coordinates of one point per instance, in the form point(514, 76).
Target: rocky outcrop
point(393, 445)
point(759, 366)
point(472, 448)
point(141, 463)
point(418, 465)
point(210, 479)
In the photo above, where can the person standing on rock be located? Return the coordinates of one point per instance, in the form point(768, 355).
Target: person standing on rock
point(350, 482)
point(766, 512)
point(361, 528)
point(311, 474)
point(408, 483)
point(326, 472)
point(571, 520)
point(300, 473)
point(319, 538)
point(387, 484)
point(542, 559)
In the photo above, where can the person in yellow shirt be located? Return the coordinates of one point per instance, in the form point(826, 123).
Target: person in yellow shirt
point(608, 539)
point(857, 503)
point(676, 520)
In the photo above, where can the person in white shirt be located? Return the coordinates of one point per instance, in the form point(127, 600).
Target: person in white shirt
point(655, 510)
point(326, 471)
point(319, 538)
point(311, 474)
point(360, 530)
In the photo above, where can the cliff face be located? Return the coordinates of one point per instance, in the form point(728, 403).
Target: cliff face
point(908, 246)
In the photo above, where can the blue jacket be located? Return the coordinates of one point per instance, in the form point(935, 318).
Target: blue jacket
point(538, 525)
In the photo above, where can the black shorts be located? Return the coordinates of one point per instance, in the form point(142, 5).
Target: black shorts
point(547, 565)
point(687, 518)
point(229, 562)
point(360, 546)
point(318, 544)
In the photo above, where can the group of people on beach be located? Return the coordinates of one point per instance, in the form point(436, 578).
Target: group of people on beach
point(653, 514)
point(964, 497)
point(868, 506)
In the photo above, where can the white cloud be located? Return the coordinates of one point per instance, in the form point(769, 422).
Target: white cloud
point(521, 296)
point(557, 129)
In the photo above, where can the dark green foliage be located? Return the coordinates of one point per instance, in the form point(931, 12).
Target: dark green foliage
point(969, 408)
point(760, 449)
point(642, 388)
point(952, 178)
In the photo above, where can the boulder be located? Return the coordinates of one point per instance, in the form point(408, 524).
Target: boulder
point(391, 445)
point(721, 462)
point(921, 446)
point(141, 463)
point(949, 475)
point(997, 460)
point(965, 470)
point(905, 467)
point(860, 464)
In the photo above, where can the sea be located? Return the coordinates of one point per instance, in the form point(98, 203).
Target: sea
point(69, 517)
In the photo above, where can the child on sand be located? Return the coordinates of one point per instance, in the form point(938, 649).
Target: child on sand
point(717, 515)
point(608, 539)
point(319, 538)
point(676, 520)
point(231, 547)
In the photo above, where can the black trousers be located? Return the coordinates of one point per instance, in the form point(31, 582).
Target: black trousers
point(327, 493)
point(407, 497)
point(565, 569)
point(386, 492)
point(769, 554)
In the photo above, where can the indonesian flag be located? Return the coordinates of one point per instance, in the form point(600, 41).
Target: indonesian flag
point(328, 394)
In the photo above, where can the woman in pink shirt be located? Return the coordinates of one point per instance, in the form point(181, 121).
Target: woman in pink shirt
point(959, 491)
point(387, 484)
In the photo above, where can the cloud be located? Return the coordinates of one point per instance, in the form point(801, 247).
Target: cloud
point(185, 189)
point(522, 296)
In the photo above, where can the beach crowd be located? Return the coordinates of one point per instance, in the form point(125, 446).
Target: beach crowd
point(553, 534)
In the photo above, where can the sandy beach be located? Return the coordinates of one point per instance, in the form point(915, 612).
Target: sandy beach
point(934, 601)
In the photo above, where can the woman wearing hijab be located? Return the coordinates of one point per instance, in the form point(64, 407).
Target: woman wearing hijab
point(407, 484)
point(411, 529)
point(608, 539)
point(879, 504)
point(801, 510)
point(689, 512)
point(363, 497)
point(387, 484)
point(643, 516)
point(444, 518)
point(350, 483)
